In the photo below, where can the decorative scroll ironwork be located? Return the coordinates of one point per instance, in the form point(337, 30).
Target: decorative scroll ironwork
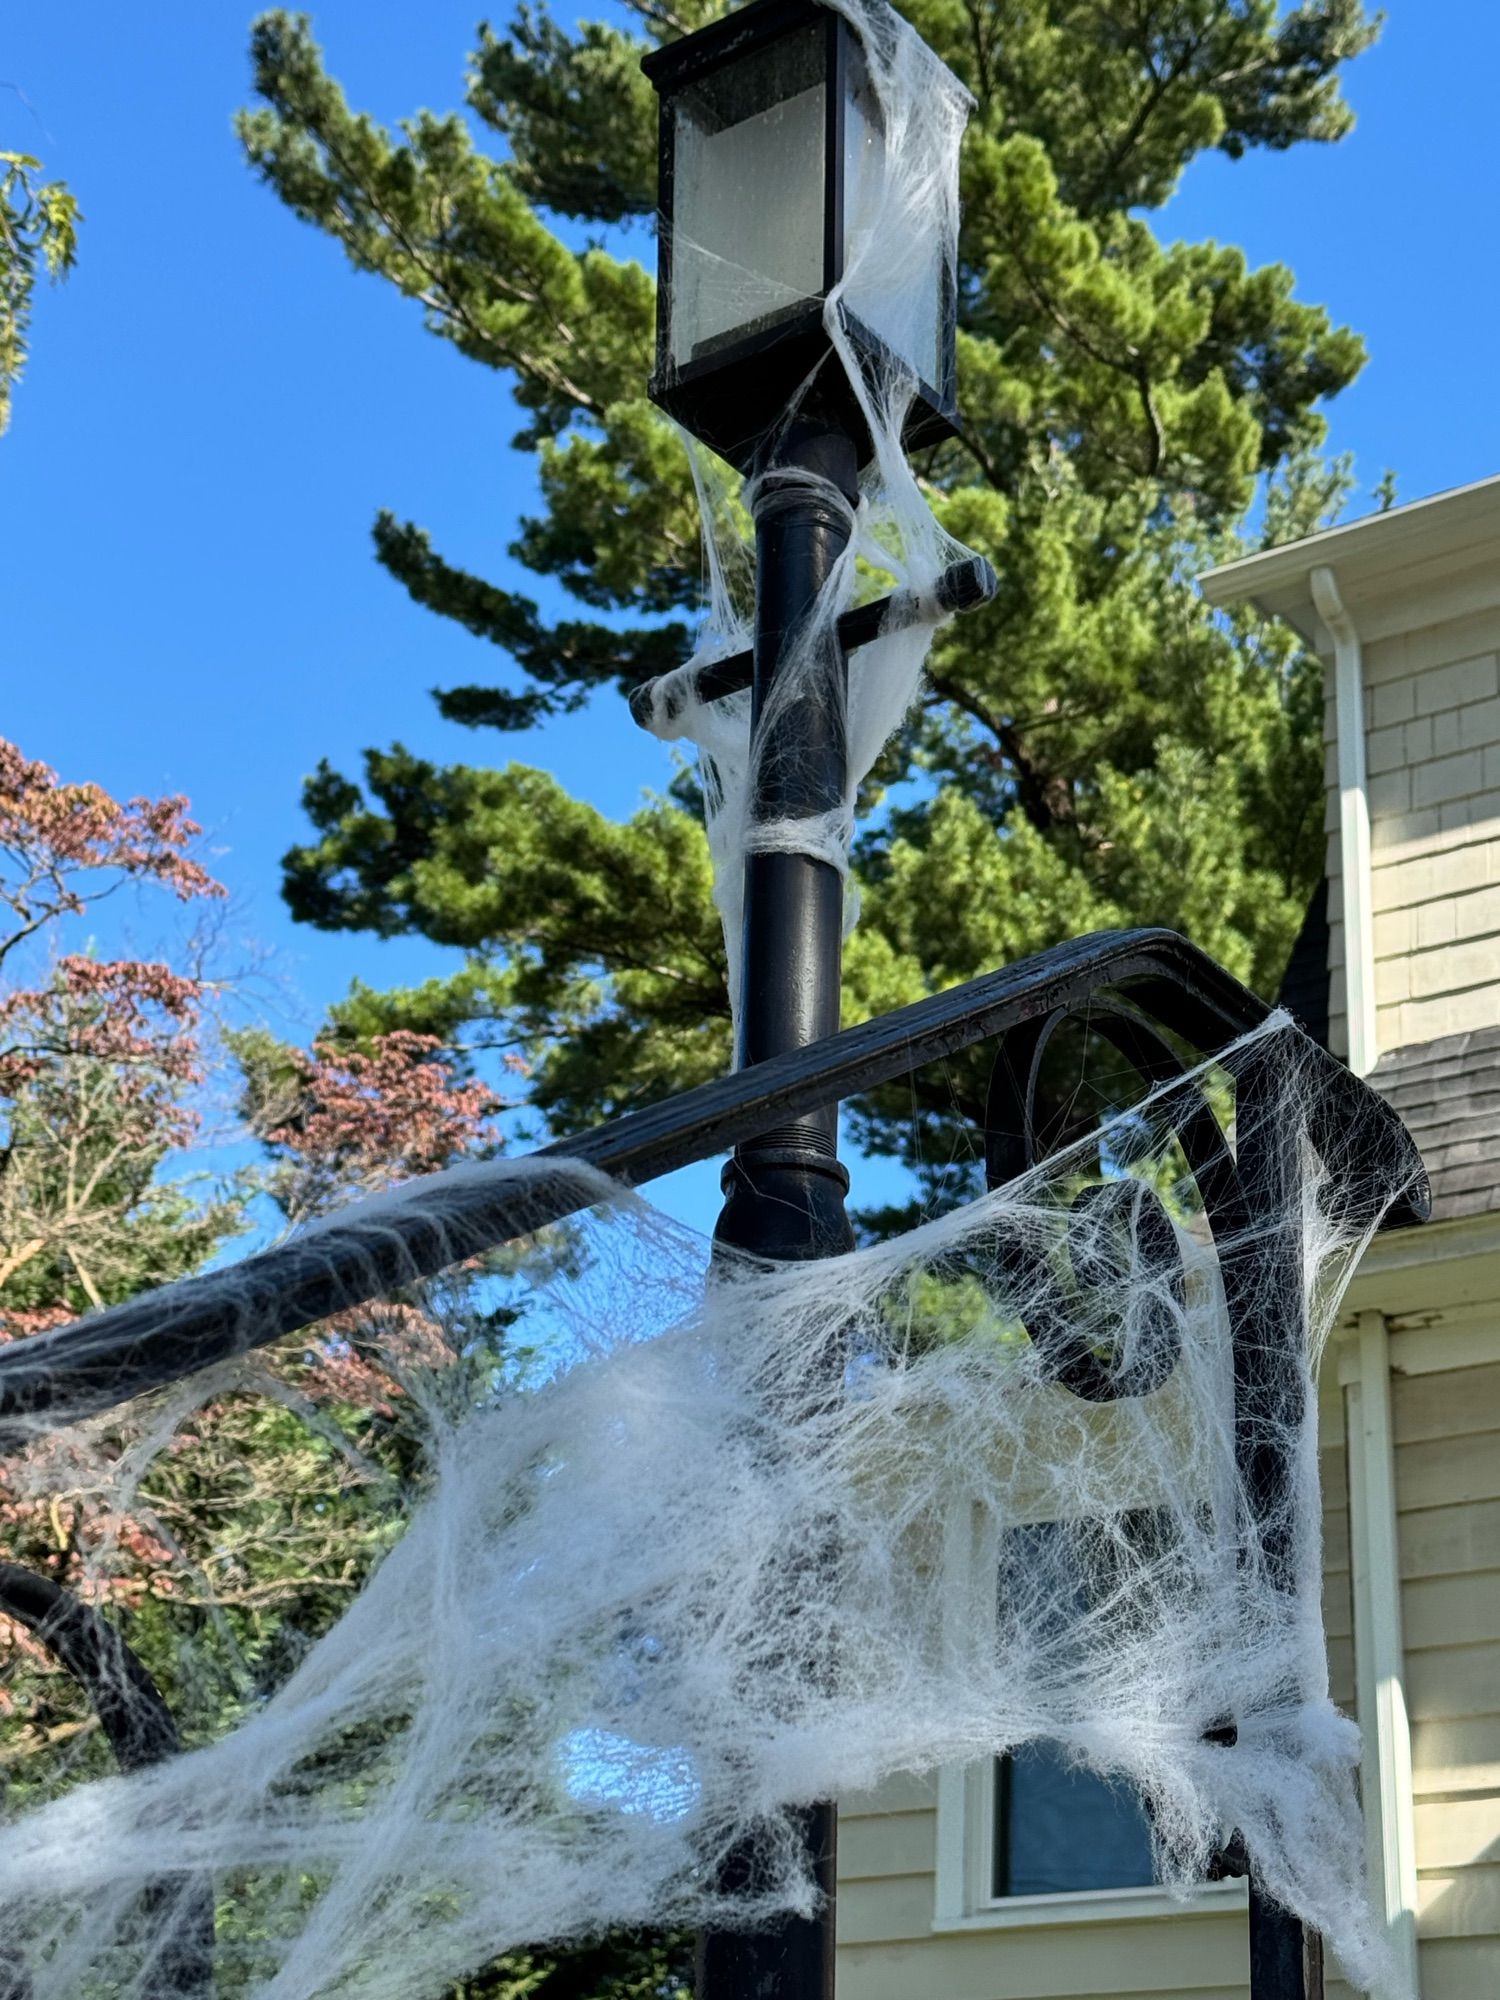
point(114, 1355)
point(1241, 1186)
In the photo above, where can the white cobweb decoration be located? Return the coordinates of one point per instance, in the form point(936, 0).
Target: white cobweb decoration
point(901, 257)
point(740, 1547)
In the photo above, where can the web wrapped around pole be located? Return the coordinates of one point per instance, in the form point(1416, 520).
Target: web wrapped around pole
point(578, 1678)
point(906, 122)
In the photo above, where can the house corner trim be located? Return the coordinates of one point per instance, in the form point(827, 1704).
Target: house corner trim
point(1380, 1661)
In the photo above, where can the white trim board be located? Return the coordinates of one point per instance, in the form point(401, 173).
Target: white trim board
point(1356, 976)
point(1380, 1659)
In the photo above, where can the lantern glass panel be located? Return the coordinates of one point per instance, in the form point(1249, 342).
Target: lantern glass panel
point(748, 180)
point(896, 267)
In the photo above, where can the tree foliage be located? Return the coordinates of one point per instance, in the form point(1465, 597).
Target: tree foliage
point(1091, 749)
point(38, 232)
point(99, 1057)
point(250, 1536)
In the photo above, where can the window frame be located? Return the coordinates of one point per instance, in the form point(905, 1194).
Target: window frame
point(964, 1898)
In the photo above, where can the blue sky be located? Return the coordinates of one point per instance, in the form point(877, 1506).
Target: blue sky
point(217, 406)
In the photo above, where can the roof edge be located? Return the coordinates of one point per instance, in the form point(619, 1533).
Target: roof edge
point(1386, 535)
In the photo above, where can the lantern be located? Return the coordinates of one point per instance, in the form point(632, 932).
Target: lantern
point(779, 186)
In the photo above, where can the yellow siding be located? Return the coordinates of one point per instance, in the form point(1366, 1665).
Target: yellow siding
point(1095, 1961)
point(1432, 750)
point(1447, 1436)
point(1447, 1440)
point(1459, 1969)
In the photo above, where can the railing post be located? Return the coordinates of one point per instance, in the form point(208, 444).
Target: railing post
point(1268, 1315)
point(784, 1191)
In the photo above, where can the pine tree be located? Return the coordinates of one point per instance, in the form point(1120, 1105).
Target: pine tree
point(1093, 749)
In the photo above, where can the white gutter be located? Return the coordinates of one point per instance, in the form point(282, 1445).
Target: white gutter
point(1380, 1661)
point(1354, 821)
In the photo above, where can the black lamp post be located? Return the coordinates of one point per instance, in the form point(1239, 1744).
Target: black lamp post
point(773, 160)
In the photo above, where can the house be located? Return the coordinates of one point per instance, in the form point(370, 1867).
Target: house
point(1398, 969)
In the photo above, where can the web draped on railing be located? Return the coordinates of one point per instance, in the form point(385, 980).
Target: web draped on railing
point(661, 1548)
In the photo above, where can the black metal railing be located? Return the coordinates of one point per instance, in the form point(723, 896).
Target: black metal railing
point(1151, 996)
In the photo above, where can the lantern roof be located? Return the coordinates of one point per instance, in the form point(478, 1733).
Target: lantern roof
point(746, 29)
point(725, 40)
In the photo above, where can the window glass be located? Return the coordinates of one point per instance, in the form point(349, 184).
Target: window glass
point(747, 195)
point(1060, 1830)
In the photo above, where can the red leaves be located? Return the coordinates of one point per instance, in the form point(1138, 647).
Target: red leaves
point(63, 847)
point(364, 1121)
point(98, 1056)
point(123, 1011)
point(99, 1060)
point(60, 829)
point(138, 1021)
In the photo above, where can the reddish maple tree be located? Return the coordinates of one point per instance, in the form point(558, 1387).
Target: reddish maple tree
point(342, 1121)
point(99, 1062)
point(247, 1514)
point(98, 1057)
point(361, 1120)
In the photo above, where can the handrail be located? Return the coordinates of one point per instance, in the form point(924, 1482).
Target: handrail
point(429, 1224)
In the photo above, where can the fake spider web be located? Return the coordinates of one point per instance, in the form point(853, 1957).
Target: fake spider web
point(715, 1560)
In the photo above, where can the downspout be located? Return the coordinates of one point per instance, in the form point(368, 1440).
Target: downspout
point(1380, 1659)
point(1354, 821)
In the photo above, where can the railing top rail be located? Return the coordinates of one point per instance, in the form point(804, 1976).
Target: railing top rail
point(430, 1224)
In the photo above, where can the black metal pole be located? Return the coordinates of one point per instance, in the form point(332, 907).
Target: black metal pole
point(784, 1192)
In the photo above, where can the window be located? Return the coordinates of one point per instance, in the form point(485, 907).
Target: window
point(1059, 1830)
point(1026, 1838)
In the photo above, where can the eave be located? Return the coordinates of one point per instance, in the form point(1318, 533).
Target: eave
point(1437, 558)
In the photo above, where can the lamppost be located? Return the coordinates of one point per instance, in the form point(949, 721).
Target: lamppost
point(775, 163)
